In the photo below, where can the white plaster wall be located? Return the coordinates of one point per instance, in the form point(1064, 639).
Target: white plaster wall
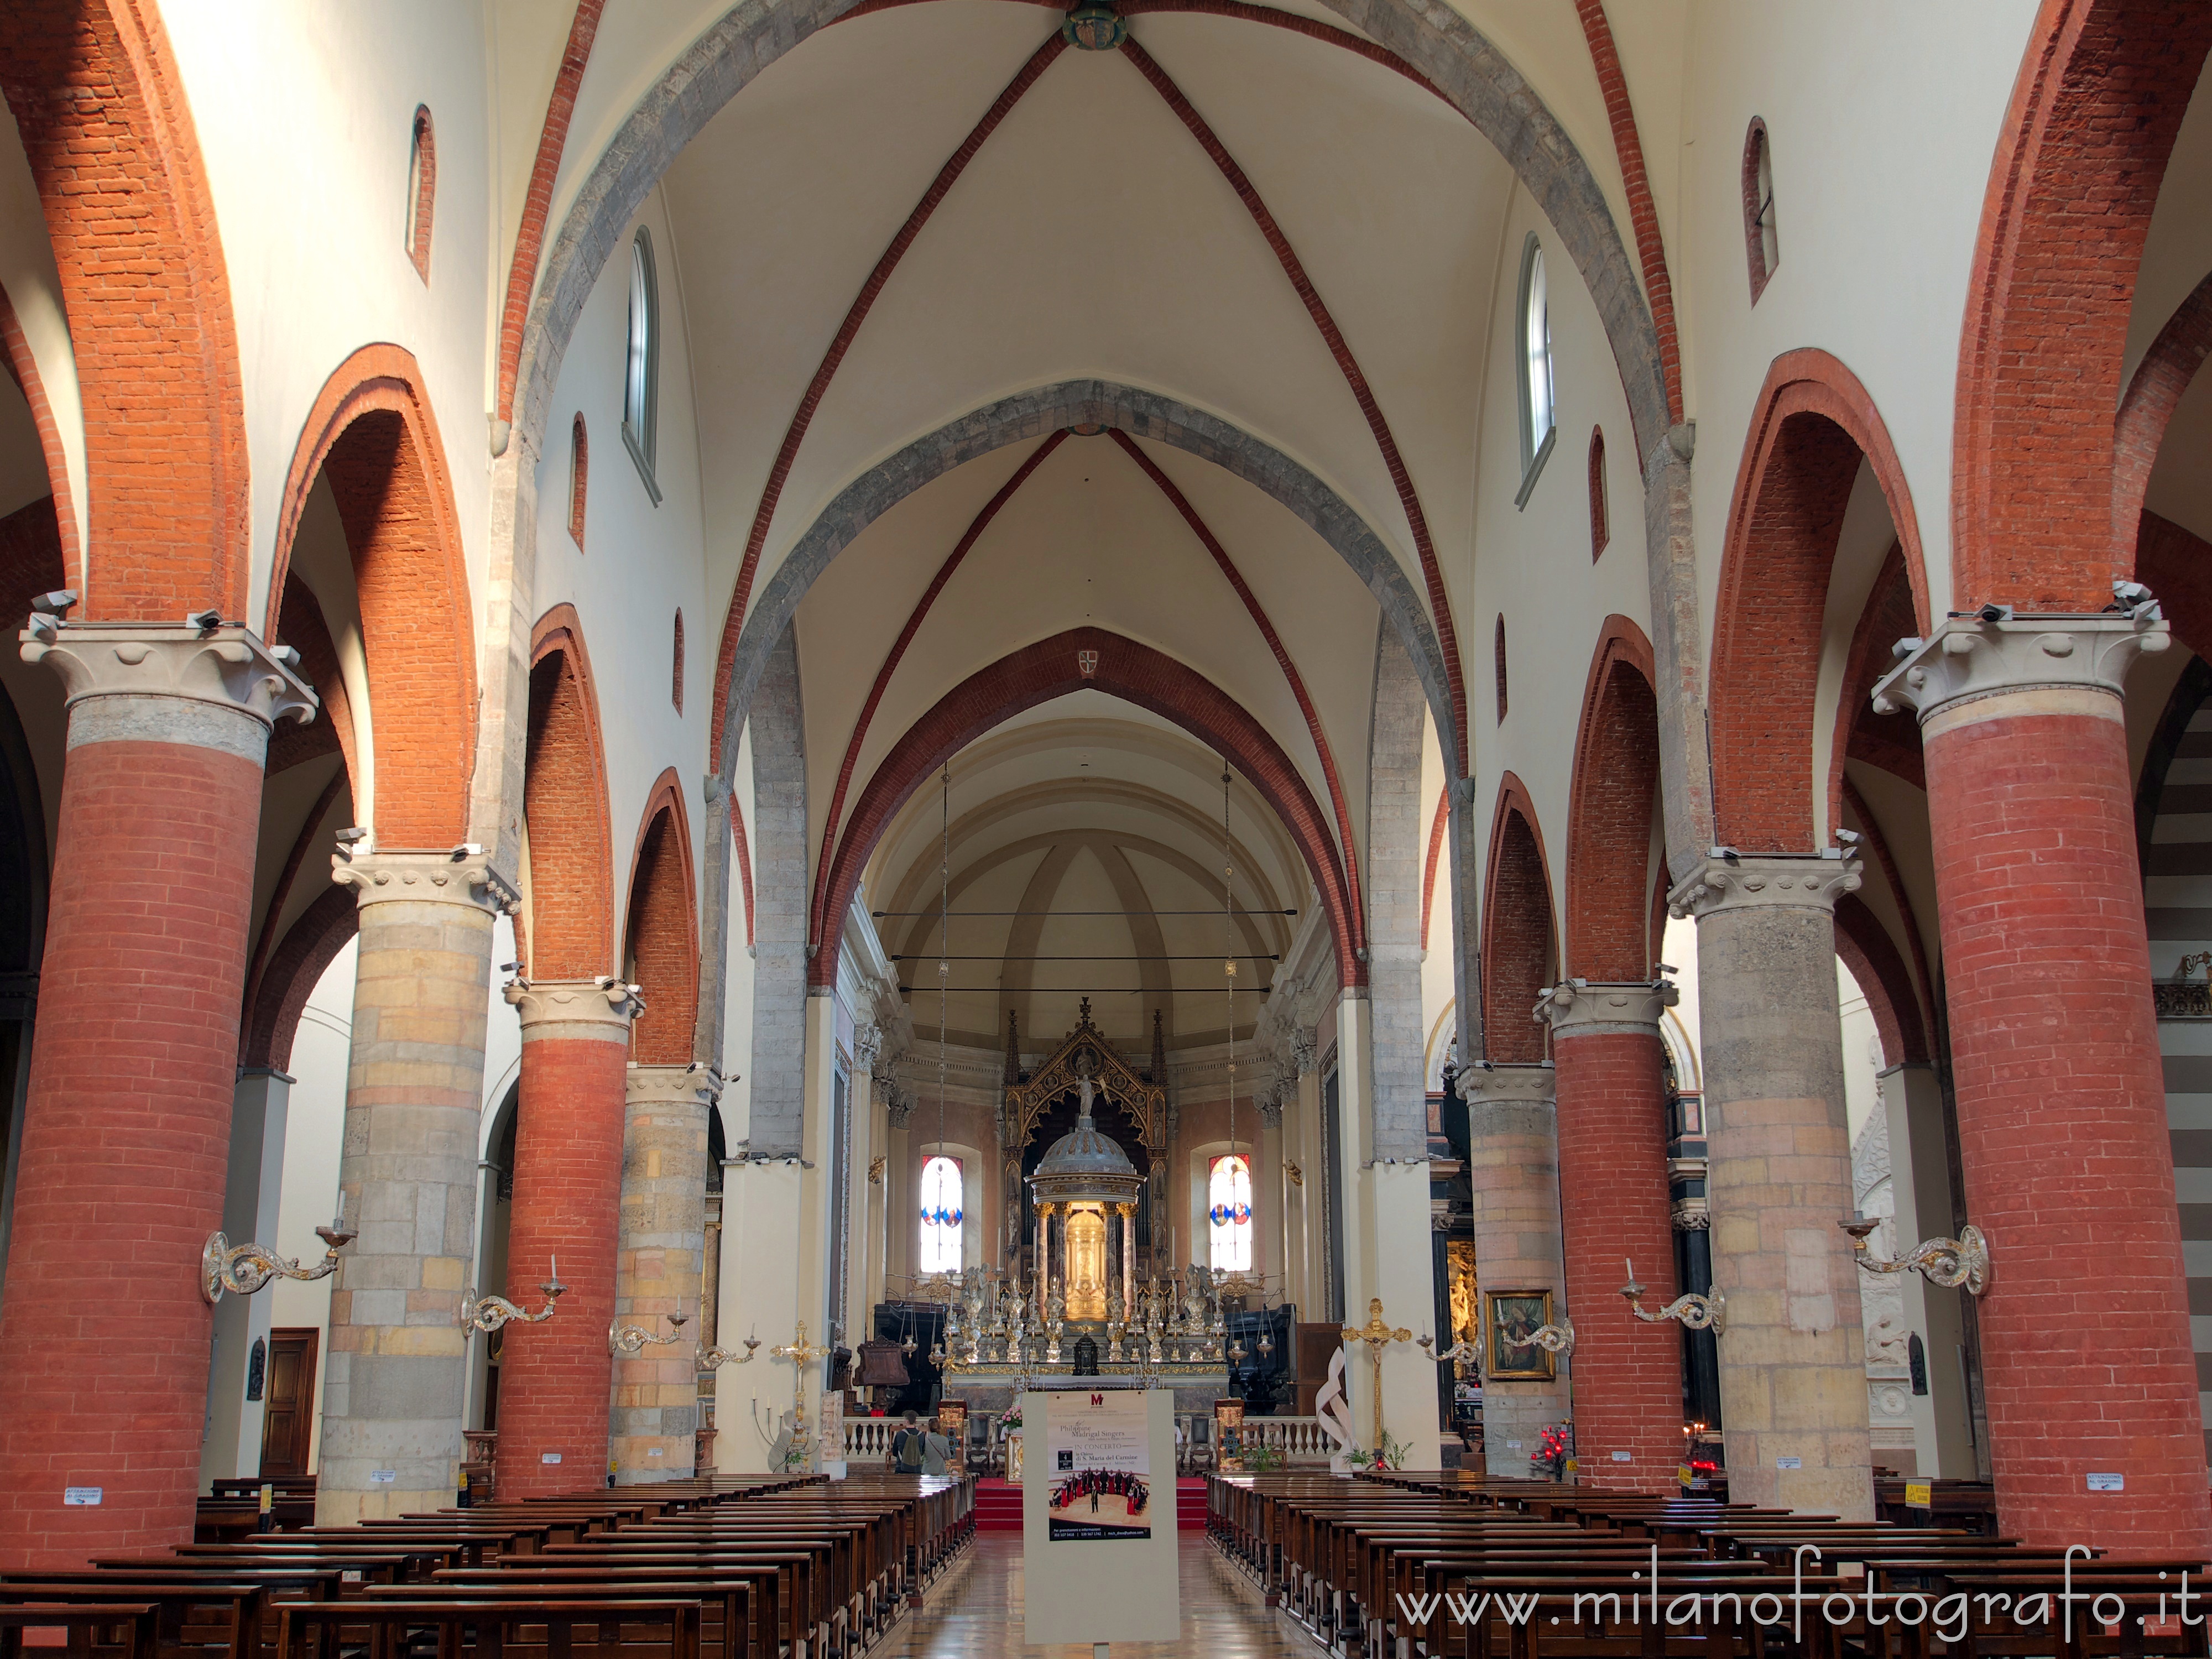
point(640, 562)
point(32, 285)
point(1883, 121)
point(304, 111)
point(1533, 563)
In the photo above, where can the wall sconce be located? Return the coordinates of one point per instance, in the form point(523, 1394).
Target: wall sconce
point(1697, 1313)
point(634, 1339)
point(1463, 1353)
point(489, 1313)
point(242, 1269)
point(1949, 1262)
point(1552, 1338)
point(715, 1358)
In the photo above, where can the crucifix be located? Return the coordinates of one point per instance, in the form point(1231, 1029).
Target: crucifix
point(1378, 1336)
point(800, 1356)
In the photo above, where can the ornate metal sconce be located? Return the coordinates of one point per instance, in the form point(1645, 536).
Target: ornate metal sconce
point(633, 1340)
point(489, 1313)
point(1697, 1313)
point(242, 1269)
point(715, 1358)
point(1552, 1338)
point(1949, 1262)
point(1461, 1352)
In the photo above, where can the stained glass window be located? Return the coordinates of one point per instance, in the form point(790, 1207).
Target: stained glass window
point(1229, 1209)
point(941, 1216)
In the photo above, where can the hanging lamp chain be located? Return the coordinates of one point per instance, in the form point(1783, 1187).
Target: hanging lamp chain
point(943, 942)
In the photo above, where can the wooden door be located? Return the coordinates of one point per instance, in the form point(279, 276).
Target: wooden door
point(287, 1419)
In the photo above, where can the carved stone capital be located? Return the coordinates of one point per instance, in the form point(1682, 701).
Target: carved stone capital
point(1770, 881)
point(1270, 1110)
point(867, 1043)
point(1969, 658)
point(696, 1084)
point(456, 875)
point(587, 1010)
point(170, 683)
point(1580, 1007)
point(1302, 1052)
point(1509, 1085)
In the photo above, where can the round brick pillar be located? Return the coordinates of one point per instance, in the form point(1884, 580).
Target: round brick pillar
point(104, 1332)
point(659, 1268)
point(1614, 1207)
point(1514, 1168)
point(394, 1374)
point(2087, 1365)
point(1792, 1353)
point(555, 1378)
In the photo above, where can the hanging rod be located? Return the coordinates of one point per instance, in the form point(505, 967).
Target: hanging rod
point(1240, 955)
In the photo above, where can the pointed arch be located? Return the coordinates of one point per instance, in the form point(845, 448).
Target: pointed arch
point(1123, 668)
point(661, 934)
point(1519, 945)
point(568, 886)
point(371, 433)
point(1609, 815)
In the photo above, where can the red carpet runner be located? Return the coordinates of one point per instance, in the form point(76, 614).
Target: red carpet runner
point(999, 1506)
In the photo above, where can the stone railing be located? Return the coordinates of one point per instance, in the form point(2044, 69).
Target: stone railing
point(1300, 1439)
point(868, 1439)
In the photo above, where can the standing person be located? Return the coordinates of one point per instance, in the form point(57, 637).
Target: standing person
point(936, 1449)
point(909, 1446)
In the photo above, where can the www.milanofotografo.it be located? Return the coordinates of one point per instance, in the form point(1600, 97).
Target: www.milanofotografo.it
point(1950, 1615)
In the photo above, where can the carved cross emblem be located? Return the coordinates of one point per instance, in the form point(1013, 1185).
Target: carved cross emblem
point(1088, 662)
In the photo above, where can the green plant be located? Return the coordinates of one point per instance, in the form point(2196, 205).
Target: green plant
point(1393, 1453)
point(1266, 1459)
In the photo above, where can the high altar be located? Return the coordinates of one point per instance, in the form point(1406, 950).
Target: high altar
point(1076, 1291)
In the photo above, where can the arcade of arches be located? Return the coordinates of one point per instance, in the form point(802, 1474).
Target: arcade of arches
point(886, 675)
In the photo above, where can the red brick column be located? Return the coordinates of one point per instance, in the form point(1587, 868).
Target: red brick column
point(557, 1378)
point(1614, 1207)
point(2085, 1355)
point(104, 1333)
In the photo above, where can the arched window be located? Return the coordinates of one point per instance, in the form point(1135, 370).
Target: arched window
point(676, 683)
point(941, 1217)
point(1501, 668)
point(422, 190)
point(1759, 240)
point(579, 468)
point(1601, 516)
point(1229, 1210)
point(1535, 358)
point(642, 369)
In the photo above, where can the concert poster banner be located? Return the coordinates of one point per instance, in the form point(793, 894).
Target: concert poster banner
point(1100, 1448)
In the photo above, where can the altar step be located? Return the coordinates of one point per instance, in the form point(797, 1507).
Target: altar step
point(999, 1506)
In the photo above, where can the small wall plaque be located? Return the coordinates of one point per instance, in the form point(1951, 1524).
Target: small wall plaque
point(81, 1494)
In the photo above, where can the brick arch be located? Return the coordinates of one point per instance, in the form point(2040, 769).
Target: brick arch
point(371, 433)
point(2100, 97)
point(291, 973)
point(1813, 426)
point(22, 366)
point(108, 130)
point(564, 809)
point(2153, 393)
point(1615, 789)
point(1136, 674)
point(1879, 967)
point(660, 935)
point(1518, 943)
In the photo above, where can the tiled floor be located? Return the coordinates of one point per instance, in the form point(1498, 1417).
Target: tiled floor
point(977, 1613)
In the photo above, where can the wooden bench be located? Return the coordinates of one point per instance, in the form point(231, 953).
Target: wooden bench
point(312, 1630)
point(130, 1626)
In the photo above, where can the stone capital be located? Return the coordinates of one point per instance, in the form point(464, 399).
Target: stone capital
point(1580, 1007)
point(1508, 1085)
point(698, 1084)
point(458, 875)
point(579, 1010)
point(1753, 881)
point(867, 1043)
point(1970, 657)
point(213, 688)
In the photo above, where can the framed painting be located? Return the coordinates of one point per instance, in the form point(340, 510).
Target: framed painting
point(1511, 1318)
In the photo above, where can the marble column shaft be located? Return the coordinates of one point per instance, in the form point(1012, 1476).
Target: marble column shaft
point(1513, 1166)
point(659, 1269)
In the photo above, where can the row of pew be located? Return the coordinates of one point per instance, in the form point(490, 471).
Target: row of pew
point(728, 1567)
point(1402, 1566)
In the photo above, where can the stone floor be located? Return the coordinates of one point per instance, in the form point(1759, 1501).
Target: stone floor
point(975, 1612)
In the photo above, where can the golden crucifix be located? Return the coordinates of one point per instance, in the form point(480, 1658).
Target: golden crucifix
point(1378, 1336)
point(800, 1356)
